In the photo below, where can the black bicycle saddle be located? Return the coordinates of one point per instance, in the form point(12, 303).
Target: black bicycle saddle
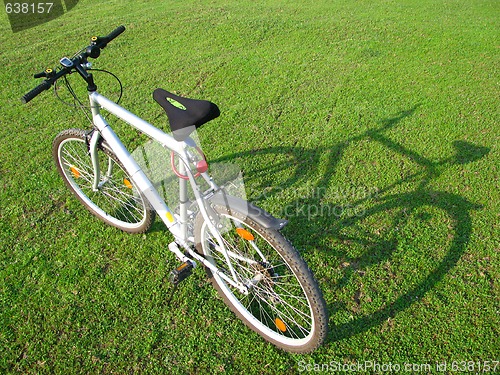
point(185, 115)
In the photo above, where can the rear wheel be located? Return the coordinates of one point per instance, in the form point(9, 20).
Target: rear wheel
point(117, 201)
point(284, 304)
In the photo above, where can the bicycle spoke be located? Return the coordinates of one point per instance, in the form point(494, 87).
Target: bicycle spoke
point(115, 198)
point(275, 294)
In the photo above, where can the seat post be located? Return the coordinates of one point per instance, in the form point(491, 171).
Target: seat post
point(183, 200)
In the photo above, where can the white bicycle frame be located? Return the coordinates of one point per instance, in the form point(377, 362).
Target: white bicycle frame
point(177, 224)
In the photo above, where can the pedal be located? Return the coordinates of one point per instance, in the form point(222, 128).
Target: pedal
point(181, 272)
point(174, 248)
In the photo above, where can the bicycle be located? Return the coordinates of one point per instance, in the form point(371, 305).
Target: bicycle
point(253, 267)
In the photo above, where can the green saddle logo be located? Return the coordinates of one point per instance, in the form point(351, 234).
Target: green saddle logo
point(176, 104)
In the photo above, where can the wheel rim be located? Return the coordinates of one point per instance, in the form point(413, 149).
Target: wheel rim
point(277, 305)
point(117, 199)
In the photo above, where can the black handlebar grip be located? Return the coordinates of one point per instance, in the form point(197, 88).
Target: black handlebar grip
point(113, 34)
point(45, 85)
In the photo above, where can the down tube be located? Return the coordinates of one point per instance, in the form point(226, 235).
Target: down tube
point(137, 175)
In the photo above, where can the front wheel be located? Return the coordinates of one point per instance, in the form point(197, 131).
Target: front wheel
point(117, 200)
point(284, 304)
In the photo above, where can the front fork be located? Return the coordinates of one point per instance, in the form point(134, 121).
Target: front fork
point(94, 140)
point(93, 144)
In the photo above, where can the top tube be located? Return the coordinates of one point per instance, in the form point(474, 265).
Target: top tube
point(135, 121)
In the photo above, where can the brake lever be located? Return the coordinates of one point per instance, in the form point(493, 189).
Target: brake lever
point(47, 73)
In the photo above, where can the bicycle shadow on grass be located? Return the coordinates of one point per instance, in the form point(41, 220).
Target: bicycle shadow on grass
point(375, 244)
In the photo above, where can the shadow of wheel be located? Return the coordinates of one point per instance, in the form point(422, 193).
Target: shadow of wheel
point(452, 211)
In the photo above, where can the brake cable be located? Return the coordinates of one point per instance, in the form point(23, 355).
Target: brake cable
point(79, 104)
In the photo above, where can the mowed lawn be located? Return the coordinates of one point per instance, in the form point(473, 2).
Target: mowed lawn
point(372, 126)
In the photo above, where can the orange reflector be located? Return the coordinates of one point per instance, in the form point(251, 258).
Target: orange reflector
point(246, 235)
point(127, 183)
point(76, 172)
point(280, 324)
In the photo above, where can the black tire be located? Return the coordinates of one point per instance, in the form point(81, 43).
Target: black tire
point(285, 305)
point(117, 202)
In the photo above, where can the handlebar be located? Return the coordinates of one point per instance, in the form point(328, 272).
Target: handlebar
point(74, 64)
point(113, 34)
point(45, 85)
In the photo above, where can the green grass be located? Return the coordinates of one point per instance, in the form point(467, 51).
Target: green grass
point(373, 126)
